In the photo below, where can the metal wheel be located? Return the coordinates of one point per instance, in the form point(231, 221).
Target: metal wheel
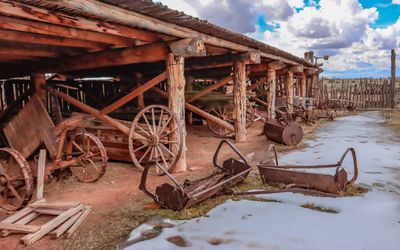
point(16, 182)
point(163, 139)
point(223, 112)
point(91, 157)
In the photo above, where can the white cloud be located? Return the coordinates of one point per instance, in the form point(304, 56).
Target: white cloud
point(340, 28)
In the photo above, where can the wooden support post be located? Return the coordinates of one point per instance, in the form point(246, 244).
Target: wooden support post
point(239, 101)
point(393, 79)
point(40, 174)
point(176, 100)
point(303, 85)
point(289, 91)
point(271, 82)
point(39, 81)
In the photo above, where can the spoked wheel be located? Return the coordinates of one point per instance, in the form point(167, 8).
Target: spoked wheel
point(223, 112)
point(16, 182)
point(91, 157)
point(156, 137)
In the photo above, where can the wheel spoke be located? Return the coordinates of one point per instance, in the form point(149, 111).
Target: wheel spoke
point(1, 169)
point(165, 126)
point(160, 121)
point(16, 194)
point(77, 146)
point(162, 157)
point(10, 162)
point(144, 131)
point(144, 155)
point(153, 121)
point(139, 148)
point(168, 142)
point(170, 132)
point(94, 165)
point(148, 124)
point(169, 151)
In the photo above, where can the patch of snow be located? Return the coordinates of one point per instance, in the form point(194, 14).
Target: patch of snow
point(371, 221)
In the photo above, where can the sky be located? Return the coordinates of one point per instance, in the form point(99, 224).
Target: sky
point(357, 34)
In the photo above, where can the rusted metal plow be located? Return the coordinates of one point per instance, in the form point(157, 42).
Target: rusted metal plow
point(177, 197)
point(272, 172)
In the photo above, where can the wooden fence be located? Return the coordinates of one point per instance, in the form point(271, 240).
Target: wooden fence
point(359, 93)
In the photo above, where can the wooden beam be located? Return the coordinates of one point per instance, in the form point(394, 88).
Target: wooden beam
point(276, 65)
point(311, 71)
point(131, 18)
point(210, 88)
point(297, 69)
point(15, 58)
point(176, 102)
point(271, 94)
point(188, 47)
point(239, 101)
point(27, 52)
point(62, 50)
point(227, 60)
point(39, 81)
point(59, 18)
point(289, 91)
point(17, 36)
point(257, 84)
point(31, 26)
point(303, 85)
point(113, 57)
point(135, 93)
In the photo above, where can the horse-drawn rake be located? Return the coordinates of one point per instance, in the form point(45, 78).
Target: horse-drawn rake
point(154, 136)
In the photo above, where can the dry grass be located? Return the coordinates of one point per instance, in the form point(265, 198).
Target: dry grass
point(312, 206)
point(354, 190)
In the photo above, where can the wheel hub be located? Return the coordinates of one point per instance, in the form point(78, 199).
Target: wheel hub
point(153, 140)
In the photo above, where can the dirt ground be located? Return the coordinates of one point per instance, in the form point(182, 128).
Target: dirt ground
point(119, 206)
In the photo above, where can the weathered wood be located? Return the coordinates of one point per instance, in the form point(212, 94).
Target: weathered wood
point(239, 101)
point(62, 19)
point(289, 91)
point(276, 65)
point(210, 88)
point(123, 16)
point(303, 85)
point(176, 101)
point(135, 93)
point(188, 47)
point(65, 226)
point(31, 26)
point(49, 226)
point(10, 51)
point(211, 62)
point(78, 222)
point(48, 211)
point(257, 84)
point(19, 228)
point(39, 81)
point(17, 36)
point(393, 79)
point(18, 215)
point(40, 174)
point(297, 69)
point(271, 94)
point(22, 131)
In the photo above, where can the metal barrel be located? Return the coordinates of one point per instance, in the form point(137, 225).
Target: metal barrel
point(290, 134)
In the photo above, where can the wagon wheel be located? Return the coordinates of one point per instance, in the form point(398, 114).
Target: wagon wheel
point(16, 182)
point(224, 113)
point(91, 157)
point(252, 114)
point(156, 136)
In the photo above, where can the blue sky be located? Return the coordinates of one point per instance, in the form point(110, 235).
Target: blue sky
point(356, 34)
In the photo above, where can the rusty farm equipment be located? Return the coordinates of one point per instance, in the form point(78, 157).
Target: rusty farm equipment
point(180, 196)
point(81, 152)
point(288, 133)
point(272, 172)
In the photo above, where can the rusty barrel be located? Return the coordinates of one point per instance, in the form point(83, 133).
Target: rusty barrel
point(289, 134)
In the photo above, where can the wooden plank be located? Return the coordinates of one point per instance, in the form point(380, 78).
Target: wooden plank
point(49, 226)
point(58, 205)
point(135, 93)
point(48, 211)
point(18, 215)
point(40, 174)
point(19, 228)
point(66, 225)
point(79, 221)
point(21, 131)
point(25, 220)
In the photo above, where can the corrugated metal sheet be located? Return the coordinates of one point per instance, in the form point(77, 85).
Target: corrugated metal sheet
point(162, 12)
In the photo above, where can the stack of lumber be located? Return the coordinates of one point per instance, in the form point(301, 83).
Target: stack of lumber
point(68, 217)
